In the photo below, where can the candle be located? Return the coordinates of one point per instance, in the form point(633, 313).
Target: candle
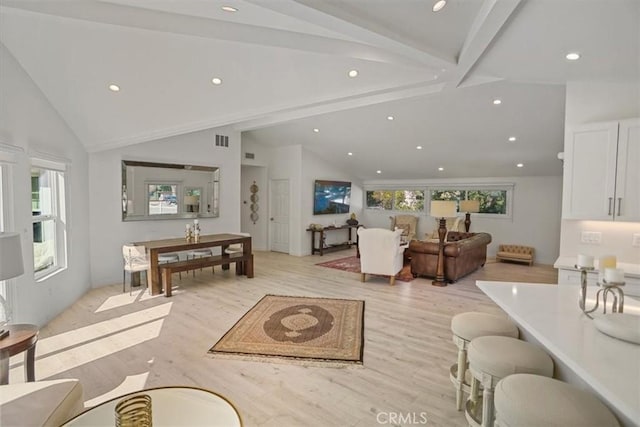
point(188, 227)
point(195, 221)
point(614, 275)
point(605, 261)
point(585, 261)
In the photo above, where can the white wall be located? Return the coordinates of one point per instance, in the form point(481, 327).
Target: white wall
point(314, 168)
point(589, 102)
point(536, 204)
point(109, 232)
point(259, 229)
point(28, 121)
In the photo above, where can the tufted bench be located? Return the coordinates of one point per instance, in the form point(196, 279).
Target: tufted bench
point(516, 253)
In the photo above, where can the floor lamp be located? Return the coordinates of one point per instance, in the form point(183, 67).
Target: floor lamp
point(469, 206)
point(10, 266)
point(441, 209)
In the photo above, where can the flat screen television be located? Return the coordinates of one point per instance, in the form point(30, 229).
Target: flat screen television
point(331, 197)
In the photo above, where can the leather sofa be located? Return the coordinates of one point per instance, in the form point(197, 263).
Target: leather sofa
point(463, 254)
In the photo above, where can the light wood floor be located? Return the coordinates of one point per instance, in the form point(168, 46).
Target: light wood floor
point(116, 344)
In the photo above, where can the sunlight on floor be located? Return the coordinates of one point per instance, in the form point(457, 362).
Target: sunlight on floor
point(100, 329)
point(126, 299)
point(93, 350)
point(130, 384)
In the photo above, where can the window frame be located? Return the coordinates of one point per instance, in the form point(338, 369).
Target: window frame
point(395, 189)
point(508, 187)
point(58, 174)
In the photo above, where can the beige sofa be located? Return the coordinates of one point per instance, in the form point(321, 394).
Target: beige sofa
point(40, 403)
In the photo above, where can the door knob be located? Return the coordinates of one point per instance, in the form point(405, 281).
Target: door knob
point(271, 219)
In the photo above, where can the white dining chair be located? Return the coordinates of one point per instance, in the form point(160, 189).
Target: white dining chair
point(237, 248)
point(200, 253)
point(135, 261)
point(170, 257)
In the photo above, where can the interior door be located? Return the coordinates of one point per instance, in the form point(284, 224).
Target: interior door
point(279, 215)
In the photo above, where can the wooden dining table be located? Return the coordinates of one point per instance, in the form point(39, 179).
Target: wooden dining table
point(223, 240)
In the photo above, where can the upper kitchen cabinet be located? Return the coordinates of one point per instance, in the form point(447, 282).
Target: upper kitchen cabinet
point(601, 171)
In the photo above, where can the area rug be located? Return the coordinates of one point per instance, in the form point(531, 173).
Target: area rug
point(352, 264)
point(317, 331)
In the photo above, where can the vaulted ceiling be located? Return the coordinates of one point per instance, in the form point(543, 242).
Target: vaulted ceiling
point(284, 68)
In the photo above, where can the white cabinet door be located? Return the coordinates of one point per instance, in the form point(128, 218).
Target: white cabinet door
point(627, 202)
point(589, 171)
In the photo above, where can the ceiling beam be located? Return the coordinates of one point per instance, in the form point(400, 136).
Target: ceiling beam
point(152, 20)
point(331, 17)
point(490, 20)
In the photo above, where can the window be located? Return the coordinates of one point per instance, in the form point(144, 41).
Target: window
point(163, 199)
point(396, 200)
point(494, 200)
point(48, 217)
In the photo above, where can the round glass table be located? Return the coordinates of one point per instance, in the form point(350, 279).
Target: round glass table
point(170, 406)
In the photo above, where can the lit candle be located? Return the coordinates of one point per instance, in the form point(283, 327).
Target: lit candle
point(614, 275)
point(585, 261)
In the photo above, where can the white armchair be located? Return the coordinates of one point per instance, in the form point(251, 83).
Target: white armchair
point(380, 252)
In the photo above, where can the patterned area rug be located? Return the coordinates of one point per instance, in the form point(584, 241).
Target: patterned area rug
point(324, 331)
point(352, 264)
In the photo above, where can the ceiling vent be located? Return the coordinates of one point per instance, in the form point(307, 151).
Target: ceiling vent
point(249, 156)
point(222, 141)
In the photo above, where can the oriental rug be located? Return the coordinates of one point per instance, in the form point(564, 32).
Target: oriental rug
point(316, 331)
point(352, 264)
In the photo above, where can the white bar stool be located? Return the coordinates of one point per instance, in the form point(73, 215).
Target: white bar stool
point(525, 400)
point(494, 358)
point(465, 327)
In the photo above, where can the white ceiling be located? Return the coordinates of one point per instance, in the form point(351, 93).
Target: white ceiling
point(284, 67)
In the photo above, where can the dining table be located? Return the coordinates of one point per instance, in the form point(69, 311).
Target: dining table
point(222, 240)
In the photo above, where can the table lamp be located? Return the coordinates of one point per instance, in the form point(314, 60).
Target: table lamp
point(469, 206)
point(10, 266)
point(441, 209)
point(190, 203)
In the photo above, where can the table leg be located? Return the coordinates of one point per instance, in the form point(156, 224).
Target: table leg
point(4, 369)
point(225, 255)
point(248, 250)
point(153, 276)
point(30, 364)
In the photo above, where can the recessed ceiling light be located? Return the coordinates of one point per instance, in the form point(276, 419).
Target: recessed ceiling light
point(573, 56)
point(520, 165)
point(439, 5)
point(512, 138)
point(419, 147)
point(216, 81)
point(114, 88)
point(316, 130)
point(349, 153)
point(378, 171)
point(497, 101)
point(229, 9)
point(353, 73)
point(440, 168)
point(389, 117)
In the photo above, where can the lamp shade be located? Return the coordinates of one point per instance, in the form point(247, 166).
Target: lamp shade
point(11, 264)
point(443, 209)
point(470, 206)
point(190, 200)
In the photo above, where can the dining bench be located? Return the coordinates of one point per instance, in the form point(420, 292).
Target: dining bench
point(244, 266)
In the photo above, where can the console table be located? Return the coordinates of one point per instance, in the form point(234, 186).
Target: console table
point(320, 246)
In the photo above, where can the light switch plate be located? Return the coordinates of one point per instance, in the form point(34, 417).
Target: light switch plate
point(636, 240)
point(591, 237)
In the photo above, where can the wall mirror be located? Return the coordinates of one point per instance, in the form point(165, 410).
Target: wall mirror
point(153, 191)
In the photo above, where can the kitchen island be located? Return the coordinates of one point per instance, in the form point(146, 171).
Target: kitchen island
point(549, 316)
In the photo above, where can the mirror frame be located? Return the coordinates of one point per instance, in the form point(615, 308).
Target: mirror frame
point(210, 191)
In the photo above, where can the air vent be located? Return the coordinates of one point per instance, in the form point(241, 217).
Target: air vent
point(249, 156)
point(222, 141)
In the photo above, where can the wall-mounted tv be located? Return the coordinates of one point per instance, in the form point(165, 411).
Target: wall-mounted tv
point(331, 197)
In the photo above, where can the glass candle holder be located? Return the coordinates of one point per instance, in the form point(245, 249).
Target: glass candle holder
point(134, 411)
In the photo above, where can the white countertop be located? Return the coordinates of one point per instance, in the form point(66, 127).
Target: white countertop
point(569, 263)
point(551, 315)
